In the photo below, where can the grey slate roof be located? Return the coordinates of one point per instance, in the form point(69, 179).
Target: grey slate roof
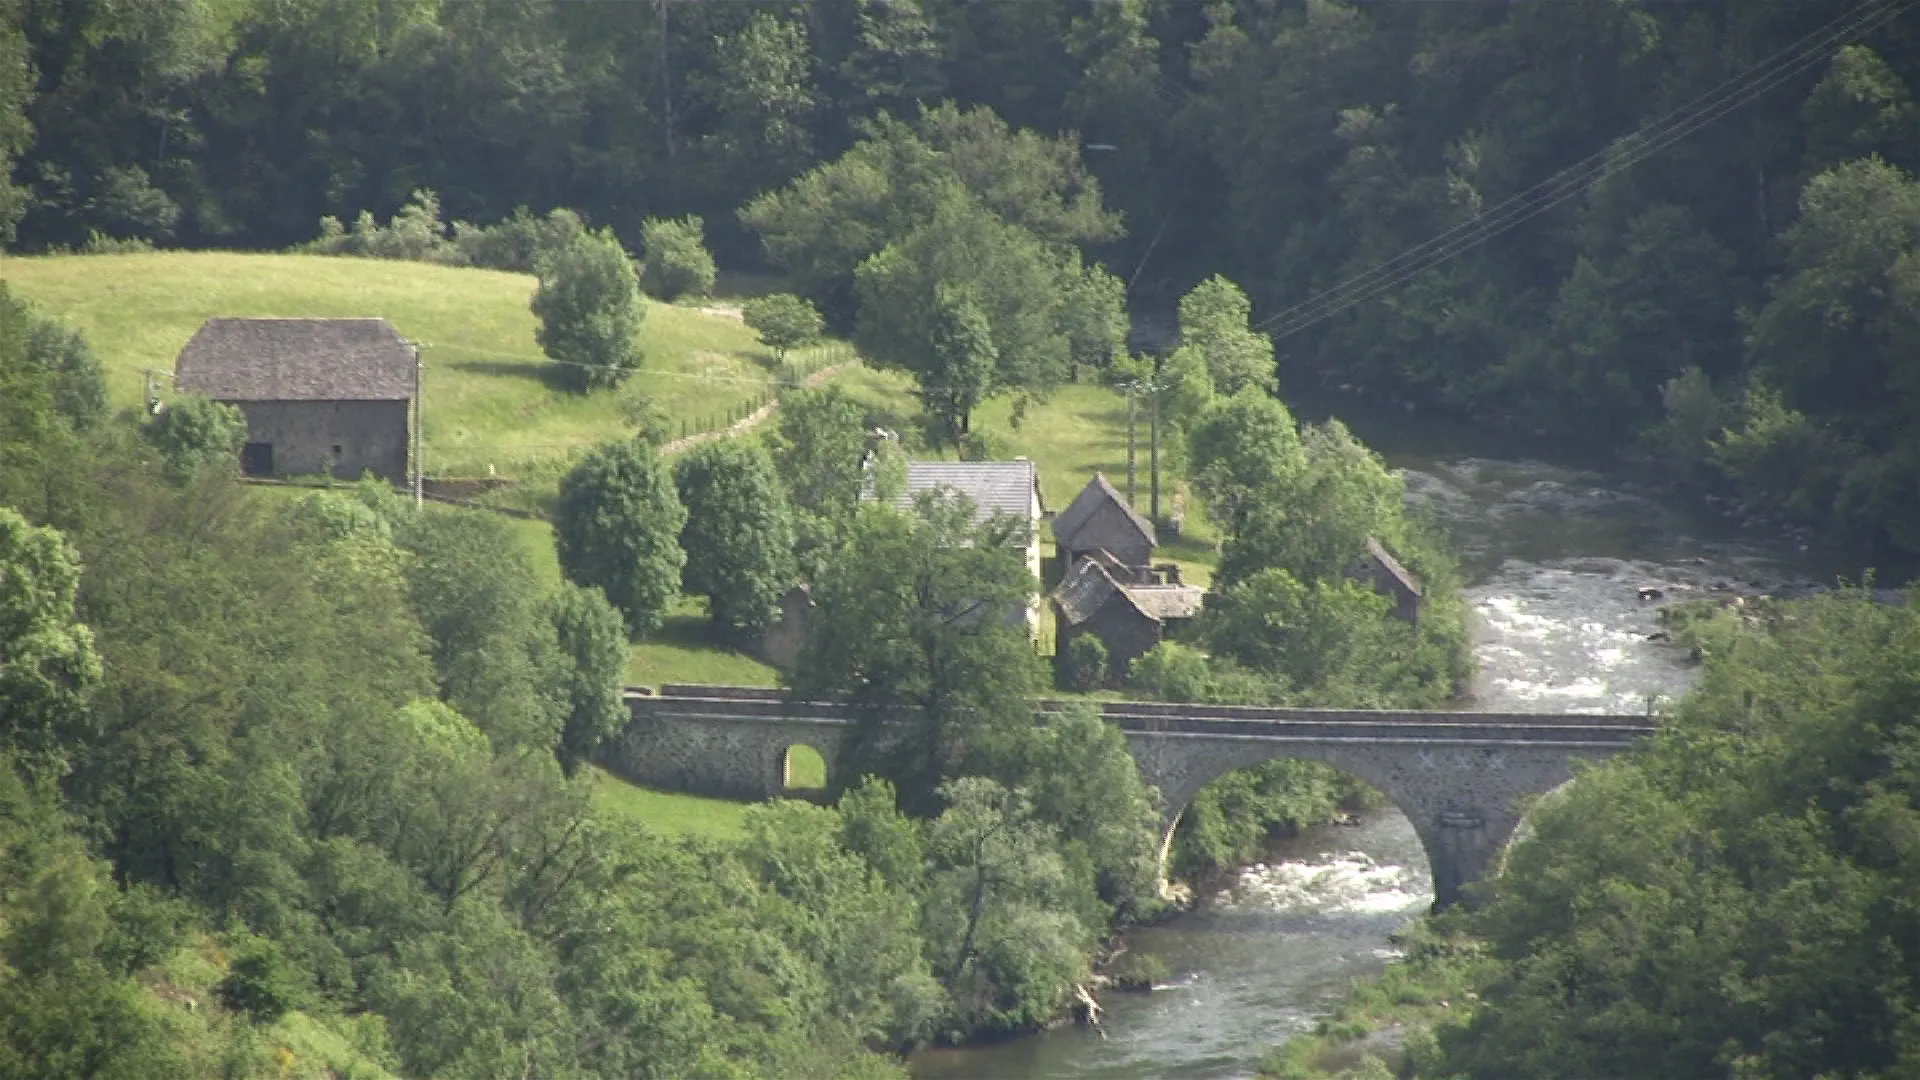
point(1088, 587)
point(996, 487)
point(1165, 602)
point(1391, 565)
point(1085, 590)
point(297, 360)
point(1068, 522)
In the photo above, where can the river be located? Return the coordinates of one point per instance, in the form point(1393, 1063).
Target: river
point(1556, 556)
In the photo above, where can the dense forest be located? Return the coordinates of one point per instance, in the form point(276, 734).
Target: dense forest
point(1731, 307)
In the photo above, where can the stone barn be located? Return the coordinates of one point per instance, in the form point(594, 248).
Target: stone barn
point(1099, 519)
point(1379, 568)
point(1129, 608)
point(321, 396)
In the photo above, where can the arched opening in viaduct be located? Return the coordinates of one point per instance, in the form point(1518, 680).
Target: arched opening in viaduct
point(1230, 799)
point(803, 771)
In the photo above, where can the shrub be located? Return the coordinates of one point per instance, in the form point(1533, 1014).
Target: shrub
point(590, 312)
point(1086, 664)
point(783, 321)
point(193, 434)
point(263, 982)
point(677, 263)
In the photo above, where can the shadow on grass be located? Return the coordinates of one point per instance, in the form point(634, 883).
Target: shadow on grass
point(548, 375)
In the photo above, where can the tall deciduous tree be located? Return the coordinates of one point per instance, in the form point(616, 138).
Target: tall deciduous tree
point(921, 616)
point(47, 660)
point(590, 312)
point(1214, 319)
point(593, 642)
point(820, 447)
point(932, 303)
point(617, 525)
point(739, 532)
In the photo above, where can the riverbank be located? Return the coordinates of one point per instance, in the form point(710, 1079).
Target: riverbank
point(1385, 1023)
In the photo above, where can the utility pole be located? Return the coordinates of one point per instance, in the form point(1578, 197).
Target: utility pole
point(1154, 428)
point(419, 435)
point(152, 397)
point(1131, 452)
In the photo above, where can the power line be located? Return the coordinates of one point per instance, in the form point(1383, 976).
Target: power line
point(1582, 176)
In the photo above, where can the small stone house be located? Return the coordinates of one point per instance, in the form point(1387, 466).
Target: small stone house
point(321, 396)
point(1380, 569)
point(1099, 519)
point(1129, 608)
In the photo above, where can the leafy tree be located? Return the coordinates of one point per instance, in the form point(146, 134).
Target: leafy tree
point(1082, 779)
point(924, 612)
point(819, 448)
point(1314, 520)
point(1722, 901)
point(970, 306)
point(739, 532)
point(593, 639)
point(897, 176)
point(194, 434)
point(65, 1007)
point(79, 384)
point(1214, 319)
point(617, 525)
point(676, 263)
point(1172, 671)
point(474, 590)
point(1244, 447)
point(1096, 320)
point(783, 321)
point(48, 664)
point(861, 928)
point(963, 357)
point(1010, 952)
point(1335, 639)
point(590, 310)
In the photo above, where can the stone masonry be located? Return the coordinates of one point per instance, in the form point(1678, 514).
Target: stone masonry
point(1462, 779)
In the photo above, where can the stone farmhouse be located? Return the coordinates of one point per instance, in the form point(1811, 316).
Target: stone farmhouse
point(321, 396)
point(1129, 608)
point(1109, 585)
point(1010, 488)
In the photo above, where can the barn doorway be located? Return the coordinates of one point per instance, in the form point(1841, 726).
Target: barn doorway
point(256, 459)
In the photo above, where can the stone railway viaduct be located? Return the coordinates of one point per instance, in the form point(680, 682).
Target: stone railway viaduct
point(1461, 778)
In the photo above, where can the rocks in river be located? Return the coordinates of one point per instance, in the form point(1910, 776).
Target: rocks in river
point(1648, 592)
point(1660, 635)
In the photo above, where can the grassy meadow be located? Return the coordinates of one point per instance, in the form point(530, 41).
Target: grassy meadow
point(487, 397)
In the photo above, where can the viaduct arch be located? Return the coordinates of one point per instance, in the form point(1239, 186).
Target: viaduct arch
point(1461, 778)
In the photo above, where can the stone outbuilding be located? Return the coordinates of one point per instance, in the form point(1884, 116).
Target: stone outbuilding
point(1129, 608)
point(321, 396)
point(1099, 519)
point(1380, 569)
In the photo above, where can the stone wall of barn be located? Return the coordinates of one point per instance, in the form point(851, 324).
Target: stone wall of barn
point(345, 438)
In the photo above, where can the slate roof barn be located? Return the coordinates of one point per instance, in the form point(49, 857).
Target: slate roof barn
point(1129, 617)
point(1379, 568)
point(320, 395)
point(1099, 519)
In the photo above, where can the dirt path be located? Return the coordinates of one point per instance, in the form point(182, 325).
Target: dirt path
point(751, 420)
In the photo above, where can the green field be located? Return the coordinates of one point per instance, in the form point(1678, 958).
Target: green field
point(665, 813)
point(487, 398)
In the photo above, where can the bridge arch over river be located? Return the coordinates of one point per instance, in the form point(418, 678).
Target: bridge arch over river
point(1461, 778)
